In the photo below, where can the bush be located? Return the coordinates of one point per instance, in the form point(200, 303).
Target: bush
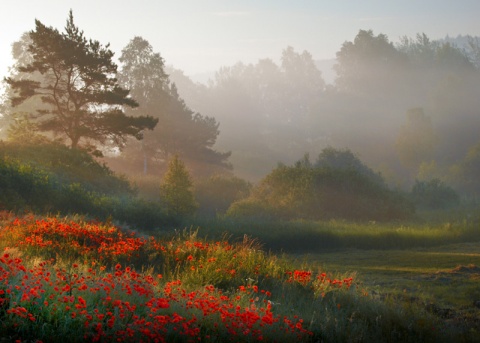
point(29, 187)
point(176, 190)
point(345, 160)
point(434, 195)
point(216, 194)
point(68, 165)
point(303, 191)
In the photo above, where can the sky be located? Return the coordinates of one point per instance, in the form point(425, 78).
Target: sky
point(200, 36)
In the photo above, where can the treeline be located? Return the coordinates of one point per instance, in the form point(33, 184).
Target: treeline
point(67, 107)
point(67, 88)
point(409, 110)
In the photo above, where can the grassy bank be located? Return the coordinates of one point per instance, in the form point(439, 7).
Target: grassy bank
point(71, 280)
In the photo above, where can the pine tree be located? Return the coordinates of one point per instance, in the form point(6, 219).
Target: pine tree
point(78, 86)
point(176, 189)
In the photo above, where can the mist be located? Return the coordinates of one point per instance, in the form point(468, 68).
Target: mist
point(276, 112)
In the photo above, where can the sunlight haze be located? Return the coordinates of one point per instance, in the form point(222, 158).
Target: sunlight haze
point(201, 36)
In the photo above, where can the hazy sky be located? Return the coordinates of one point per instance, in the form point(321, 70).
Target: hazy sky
point(200, 36)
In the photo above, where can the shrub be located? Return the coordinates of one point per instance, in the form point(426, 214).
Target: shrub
point(309, 192)
point(68, 165)
point(433, 194)
point(28, 187)
point(216, 194)
point(176, 190)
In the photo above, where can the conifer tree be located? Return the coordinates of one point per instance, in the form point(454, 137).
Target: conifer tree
point(84, 101)
point(177, 189)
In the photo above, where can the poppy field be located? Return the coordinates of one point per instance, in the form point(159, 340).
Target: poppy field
point(81, 281)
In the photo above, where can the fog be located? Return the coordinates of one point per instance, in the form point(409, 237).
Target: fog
point(276, 112)
point(409, 110)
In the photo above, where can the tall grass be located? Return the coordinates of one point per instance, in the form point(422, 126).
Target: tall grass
point(311, 236)
point(72, 280)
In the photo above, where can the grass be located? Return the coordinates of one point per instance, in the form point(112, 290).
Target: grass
point(73, 280)
point(443, 280)
point(311, 237)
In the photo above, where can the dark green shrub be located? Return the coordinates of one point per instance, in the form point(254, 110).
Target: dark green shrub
point(176, 190)
point(23, 187)
point(345, 160)
point(433, 194)
point(141, 214)
point(216, 194)
point(68, 165)
point(320, 193)
point(34, 187)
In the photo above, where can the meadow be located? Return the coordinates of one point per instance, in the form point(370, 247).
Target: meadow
point(66, 278)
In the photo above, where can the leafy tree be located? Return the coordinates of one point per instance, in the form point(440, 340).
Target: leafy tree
point(264, 109)
point(416, 140)
point(303, 191)
point(177, 189)
point(345, 160)
point(180, 131)
point(78, 86)
point(421, 51)
point(465, 174)
point(368, 64)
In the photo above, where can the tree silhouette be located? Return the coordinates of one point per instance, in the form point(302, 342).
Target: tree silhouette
point(78, 86)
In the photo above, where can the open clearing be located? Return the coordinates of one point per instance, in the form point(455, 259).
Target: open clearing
point(445, 279)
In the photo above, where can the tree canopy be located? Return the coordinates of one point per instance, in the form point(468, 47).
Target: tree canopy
point(180, 130)
point(78, 86)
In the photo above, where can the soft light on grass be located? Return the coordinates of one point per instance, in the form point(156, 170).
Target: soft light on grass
point(99, 284)
point(308, 236)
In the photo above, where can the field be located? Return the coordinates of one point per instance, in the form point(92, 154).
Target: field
point(75, 280)
point(444, 280)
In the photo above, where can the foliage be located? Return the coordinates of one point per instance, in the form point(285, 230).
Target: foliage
point(307, 192)
point(465, 174)
point(181, 131)
point(416, 140)
point(264, 109)
point(345, 160)
point(217, 193)
point(68, 165)
point(433, 194)
point(54, 178)
point(78, 86)
point(368, 64)
point(82, 281)
point(176, 190)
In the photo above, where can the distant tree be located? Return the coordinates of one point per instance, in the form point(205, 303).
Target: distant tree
point(465, 175)
point(177, 189)
point(433, 194)
point(421, 51)
point(345, 160)
point(78, 86)
point(15, 120)
point(368, 64)
point(416, 140)
point(303, 191)
point(180, 130)
point(22, 131)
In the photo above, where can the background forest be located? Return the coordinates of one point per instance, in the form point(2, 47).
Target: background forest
point(396, 130)
point(374, 170)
